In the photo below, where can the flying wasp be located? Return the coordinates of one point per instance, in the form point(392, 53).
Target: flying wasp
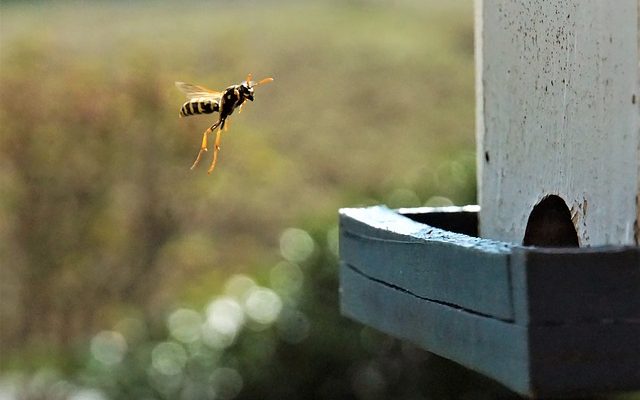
point(201, 100)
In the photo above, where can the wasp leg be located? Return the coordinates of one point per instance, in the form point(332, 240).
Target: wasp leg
point(216, 148)
point(203, 146)
point(240, 107)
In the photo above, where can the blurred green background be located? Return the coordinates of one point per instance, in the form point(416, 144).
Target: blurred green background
point(124, 275)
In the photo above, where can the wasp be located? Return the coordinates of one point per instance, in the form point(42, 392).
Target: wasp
point(201, 100)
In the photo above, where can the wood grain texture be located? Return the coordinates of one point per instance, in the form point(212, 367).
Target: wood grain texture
point(557, 84)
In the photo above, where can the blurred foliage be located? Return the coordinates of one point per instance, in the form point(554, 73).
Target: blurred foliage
point(124, 275)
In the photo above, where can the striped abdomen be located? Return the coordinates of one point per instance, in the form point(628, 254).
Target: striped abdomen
point(199, 106)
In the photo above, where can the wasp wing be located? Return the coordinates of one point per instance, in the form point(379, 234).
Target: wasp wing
point(195, 91)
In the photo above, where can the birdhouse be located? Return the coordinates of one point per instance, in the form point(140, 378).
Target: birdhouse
point(538, 287)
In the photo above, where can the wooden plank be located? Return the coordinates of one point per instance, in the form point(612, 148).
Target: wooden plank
point(576, 325)
point(566, 286)
point(495, 348)
point(536, 360)
point(431, 263)
point(557, 114)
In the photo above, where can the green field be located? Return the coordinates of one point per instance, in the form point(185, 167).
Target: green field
point(112, 248)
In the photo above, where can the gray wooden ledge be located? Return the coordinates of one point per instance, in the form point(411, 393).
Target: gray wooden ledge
point(543, 322)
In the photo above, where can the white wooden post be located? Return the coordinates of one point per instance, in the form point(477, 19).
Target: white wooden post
point(558, 114)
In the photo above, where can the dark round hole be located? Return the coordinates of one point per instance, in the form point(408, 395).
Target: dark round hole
point(550, 225)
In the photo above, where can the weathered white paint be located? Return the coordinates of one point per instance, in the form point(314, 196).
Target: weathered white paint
point(558, 113)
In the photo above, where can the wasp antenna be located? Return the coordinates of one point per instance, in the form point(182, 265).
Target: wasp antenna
point(265, 80)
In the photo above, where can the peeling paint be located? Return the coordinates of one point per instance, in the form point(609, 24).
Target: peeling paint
point(577, 214)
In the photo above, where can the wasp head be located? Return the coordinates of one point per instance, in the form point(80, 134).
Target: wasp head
point(246, 90)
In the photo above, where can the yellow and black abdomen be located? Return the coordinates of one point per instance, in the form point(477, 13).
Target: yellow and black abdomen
point(199, 106)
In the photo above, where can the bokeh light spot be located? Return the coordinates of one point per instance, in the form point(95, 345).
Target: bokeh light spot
point(168, 358)
point(238, 286)
point(296, 245)
point(438, 201)
point(108, 347)
point(263, 305)
point(185, 325)
point(402, 198)
point(225, 318)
